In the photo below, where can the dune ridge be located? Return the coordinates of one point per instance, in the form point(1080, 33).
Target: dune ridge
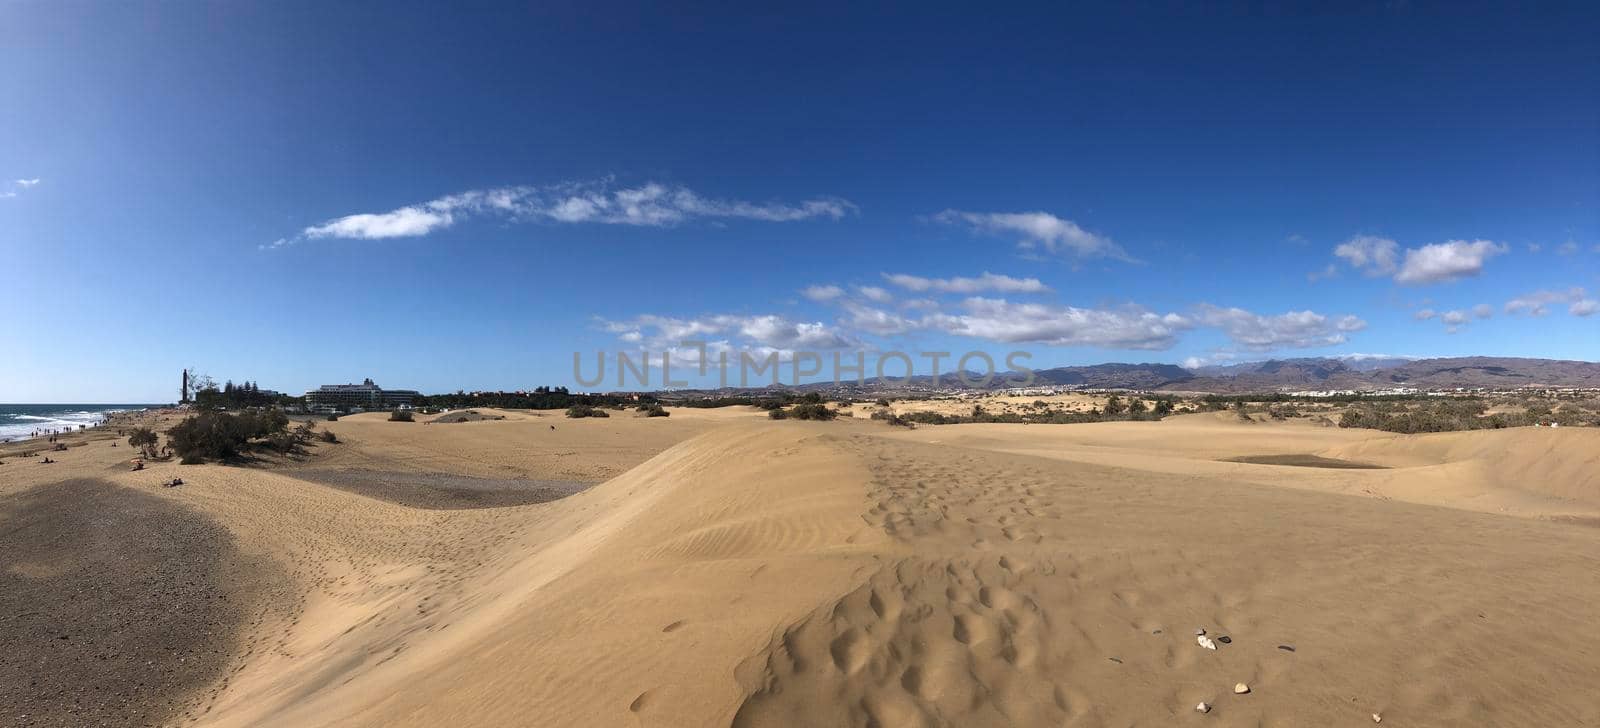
point(684, 563)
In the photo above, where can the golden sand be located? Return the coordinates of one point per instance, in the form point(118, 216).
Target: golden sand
point(731, 570)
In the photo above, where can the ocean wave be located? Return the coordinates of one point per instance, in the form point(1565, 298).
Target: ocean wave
point(17, 426)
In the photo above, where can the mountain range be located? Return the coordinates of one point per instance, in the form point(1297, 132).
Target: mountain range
point(1276, 375)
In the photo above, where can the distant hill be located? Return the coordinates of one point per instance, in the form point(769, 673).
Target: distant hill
point(1273, 375)
point(1111, 376)
point(1378, 373)
point(1487, 371)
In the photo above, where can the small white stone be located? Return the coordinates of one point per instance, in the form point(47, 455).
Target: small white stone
point(1205, 642)
point(1202, 708)
point(1199, 632)
point(1377, 718)
point(1240, 688)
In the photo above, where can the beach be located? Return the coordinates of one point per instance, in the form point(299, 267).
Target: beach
point(716, 567)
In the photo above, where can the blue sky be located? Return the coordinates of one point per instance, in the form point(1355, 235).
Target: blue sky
point(298, 194)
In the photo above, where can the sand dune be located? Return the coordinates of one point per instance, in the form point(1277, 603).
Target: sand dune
point(731, 570)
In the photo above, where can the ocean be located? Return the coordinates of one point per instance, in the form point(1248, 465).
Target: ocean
point(19, 421)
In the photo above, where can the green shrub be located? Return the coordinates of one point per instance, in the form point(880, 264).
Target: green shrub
point(894, 419)
point(655, 410)
point(212, 435)
point(401, 415)
point(812, 411)
point(582, 410)
point(777, 414)
point(145, 439)
point(333, 417)
point(329, 437)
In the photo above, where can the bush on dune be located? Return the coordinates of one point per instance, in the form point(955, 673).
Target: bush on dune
point(145, 439)
point(212, 435)
point(578, 411)
point(401, 416)
point(807, 411)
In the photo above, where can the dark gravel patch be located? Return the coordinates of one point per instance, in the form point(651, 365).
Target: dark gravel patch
point(1305, 461)
point(442, 491)
point(117, 607)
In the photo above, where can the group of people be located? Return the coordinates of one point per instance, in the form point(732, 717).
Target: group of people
point(54, 433)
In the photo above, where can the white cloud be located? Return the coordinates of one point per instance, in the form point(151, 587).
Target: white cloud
point(1454, 319)
point(985, 282)
point(1038, 230)
point(766, 330)
point(874, 294)
point(1372, 255)
point(1004, 321)
point(1447, 261)
point(876, 321)
point(402, 223)
point(1568, 248)
point(1435, 263)
point(822, 293)
point(659, 205)
point(27, 182)
point(651, 204)
point(1350, 324)
point(1291, 330)
point(1538, 302)
point(1584, 307)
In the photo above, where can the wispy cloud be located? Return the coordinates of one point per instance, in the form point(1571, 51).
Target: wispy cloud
point(1369, 254)
point(758, 334)
point(822, 293)
point(1330, 271)
point(17, 185)
point(863, 316)
point(986, 282)
point(1039, 231)
point(652, 204)
point(874, 294)
point(1538, 303)
point(1005, 321)
point(1291, 330)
